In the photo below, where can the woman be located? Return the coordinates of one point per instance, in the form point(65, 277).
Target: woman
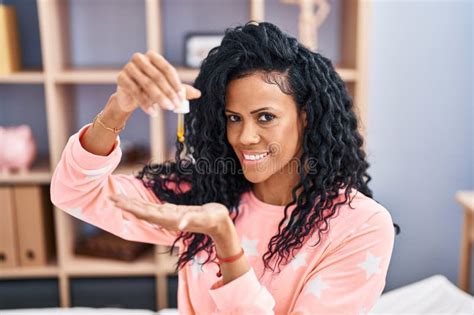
point(276, 157)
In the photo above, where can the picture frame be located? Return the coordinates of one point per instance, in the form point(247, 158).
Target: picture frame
point(197, 46)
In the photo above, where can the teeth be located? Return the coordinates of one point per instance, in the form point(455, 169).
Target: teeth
point(254, 157)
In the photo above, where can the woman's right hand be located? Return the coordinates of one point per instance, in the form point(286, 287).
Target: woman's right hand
point(149, 81)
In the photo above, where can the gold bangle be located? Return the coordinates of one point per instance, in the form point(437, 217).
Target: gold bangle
point(97, 119)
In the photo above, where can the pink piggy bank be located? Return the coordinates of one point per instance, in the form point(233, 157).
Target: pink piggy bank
point(17, 148)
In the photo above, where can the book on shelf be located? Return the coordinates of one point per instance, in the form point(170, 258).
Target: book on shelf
point(10, 54)
point(8, 237)
point(35, 224)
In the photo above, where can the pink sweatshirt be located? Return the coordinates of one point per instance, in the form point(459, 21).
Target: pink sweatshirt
point(344, 274)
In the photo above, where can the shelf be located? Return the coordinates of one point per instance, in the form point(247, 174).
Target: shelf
point(39, 174)
point(187, 74)
point(127, 169)
point(23, 77)
point(91, 266)
point(107, 76)
point(50, 270)
point(86, 76)
point(42, 175)
point(346, 74)
point(167, 264)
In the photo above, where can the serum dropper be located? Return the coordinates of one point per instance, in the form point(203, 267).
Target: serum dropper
point(181, 110)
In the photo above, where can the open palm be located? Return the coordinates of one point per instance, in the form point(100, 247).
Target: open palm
point(189, 218)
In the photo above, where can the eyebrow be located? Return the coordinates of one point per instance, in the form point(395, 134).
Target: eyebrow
point(254, 111)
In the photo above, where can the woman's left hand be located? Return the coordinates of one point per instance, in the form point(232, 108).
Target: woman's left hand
point(206, 219)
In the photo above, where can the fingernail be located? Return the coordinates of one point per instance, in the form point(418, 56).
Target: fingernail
point(168, 104)
point(176, 101)
point(183, 224)
point(182, 94)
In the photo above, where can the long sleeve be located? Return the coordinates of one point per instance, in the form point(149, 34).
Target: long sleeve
point(244, 295)
point(348, 280)
point(82, 183)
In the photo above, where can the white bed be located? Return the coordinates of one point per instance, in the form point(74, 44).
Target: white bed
point(433, 295)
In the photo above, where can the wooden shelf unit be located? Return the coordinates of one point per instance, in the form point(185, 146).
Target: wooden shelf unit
point(51, 270)
point(53, 18)
point(109, 76)
point(23, 77)
point(39, 174)
point(87, 266)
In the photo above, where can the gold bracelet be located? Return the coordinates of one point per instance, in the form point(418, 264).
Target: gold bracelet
point(99, 116)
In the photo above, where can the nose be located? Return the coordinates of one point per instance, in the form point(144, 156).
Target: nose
point(249, 135)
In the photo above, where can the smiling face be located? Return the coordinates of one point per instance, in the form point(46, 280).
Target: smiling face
point(264, 129)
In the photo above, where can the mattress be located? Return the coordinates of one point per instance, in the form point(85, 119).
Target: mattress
point(433, 295)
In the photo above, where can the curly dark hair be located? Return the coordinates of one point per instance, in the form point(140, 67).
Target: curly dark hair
point(331, 138)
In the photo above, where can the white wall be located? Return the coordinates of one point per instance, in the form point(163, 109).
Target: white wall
point(421, 129)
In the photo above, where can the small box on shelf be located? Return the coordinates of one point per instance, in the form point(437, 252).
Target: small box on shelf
point(109, 246)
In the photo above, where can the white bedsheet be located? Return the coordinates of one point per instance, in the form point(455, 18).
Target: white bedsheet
point(433, 295)
point(80, 311)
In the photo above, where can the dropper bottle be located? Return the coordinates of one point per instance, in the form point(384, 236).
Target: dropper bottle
point(181, 110)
